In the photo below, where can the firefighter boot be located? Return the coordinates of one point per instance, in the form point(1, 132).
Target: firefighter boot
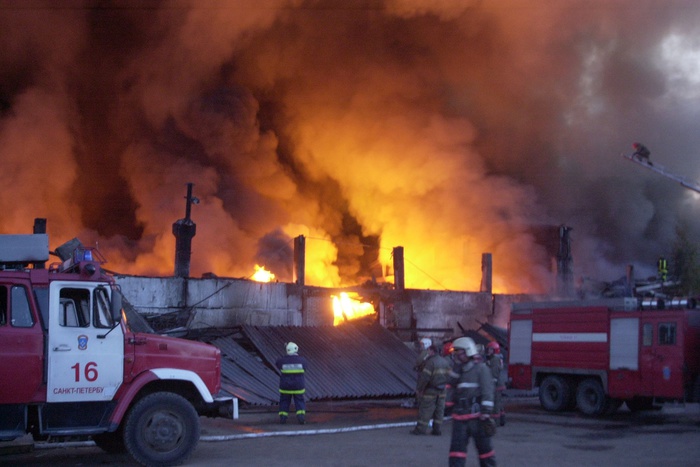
point(283, 419)
point(301, 419)
point(436, 430)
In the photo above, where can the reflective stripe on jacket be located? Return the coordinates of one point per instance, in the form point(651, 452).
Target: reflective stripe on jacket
point(474, 390)
point(292, 369)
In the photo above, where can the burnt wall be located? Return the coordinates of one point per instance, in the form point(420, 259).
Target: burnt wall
point(220, 302)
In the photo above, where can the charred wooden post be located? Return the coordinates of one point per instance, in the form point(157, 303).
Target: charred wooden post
point(399, 279)
point(565, 263)
point(184, 230)
point(39, 228)
point(299, 259)
point(486, 272)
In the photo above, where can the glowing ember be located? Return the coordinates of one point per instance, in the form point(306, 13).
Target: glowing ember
point(262, 274)
point(346, 308)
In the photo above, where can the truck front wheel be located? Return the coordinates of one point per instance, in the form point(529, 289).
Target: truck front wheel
point(590, 397)
point(555, 393)
point(161, 429)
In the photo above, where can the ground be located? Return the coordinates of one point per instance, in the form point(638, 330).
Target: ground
point(375, 433)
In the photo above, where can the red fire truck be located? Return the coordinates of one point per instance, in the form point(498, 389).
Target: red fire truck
point(597, 354)
point(74, 363)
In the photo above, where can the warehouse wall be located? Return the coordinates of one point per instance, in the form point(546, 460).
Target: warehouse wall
point(218, 302)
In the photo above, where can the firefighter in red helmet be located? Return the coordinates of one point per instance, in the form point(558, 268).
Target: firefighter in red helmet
point(494, 360)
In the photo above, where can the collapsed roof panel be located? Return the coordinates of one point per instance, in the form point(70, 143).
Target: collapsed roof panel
point(348, 361)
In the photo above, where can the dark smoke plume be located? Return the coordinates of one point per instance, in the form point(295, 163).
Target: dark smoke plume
point(451, 128)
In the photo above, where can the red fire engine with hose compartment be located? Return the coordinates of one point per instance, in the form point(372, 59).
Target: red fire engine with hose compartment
point(596, 354)
point(75, 363)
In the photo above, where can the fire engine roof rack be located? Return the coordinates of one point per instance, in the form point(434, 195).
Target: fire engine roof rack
point(621, 303)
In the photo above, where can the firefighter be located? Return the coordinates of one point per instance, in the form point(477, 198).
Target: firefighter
point(662, 266)
point(447, 353)
point(292, 384)
point(494, 360)
point(424, 343)
point(430, 393)
point(641, 152)
point(473, 397)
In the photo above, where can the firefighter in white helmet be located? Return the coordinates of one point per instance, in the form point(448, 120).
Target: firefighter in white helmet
point(473, 404)
point(430, 393)
point(423, 355)
point(292, 384)
point(424, 344)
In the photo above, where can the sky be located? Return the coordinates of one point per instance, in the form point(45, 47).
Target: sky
point(450, 128)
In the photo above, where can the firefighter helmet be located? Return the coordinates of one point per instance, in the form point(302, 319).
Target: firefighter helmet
point(425, 343)
point(447, 348)
point(494, 345)
point(466, 344)
point(292, 348)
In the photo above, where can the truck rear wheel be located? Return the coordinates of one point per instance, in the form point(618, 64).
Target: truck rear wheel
point(555, 393)
point(161, 429)
point(590, 397)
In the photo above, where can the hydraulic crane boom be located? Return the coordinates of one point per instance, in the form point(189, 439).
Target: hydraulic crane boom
point(690, 184)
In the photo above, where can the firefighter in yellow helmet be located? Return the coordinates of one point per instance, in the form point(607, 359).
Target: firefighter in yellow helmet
point(292, 383)
point(473, 404)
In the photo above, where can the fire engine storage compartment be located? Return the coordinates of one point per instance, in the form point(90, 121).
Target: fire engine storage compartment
point(595, 354)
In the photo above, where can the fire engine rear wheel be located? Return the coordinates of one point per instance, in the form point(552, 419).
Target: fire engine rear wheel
point(590, 397)
point(555, 393)
point(161, 429)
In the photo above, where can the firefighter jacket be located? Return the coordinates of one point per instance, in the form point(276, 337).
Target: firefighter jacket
point(473, 391)
point(292, 369)
point(434, 376)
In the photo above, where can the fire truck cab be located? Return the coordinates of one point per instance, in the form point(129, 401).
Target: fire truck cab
point(596, 354)
point(75, 363)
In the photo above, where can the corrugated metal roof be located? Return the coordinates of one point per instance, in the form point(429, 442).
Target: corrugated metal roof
point(244, 376)
point(348, 361)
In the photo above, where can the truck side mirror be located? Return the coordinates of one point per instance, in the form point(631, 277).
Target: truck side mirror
point(116, 305)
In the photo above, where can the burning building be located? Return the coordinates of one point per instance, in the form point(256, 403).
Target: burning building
point(449, 128)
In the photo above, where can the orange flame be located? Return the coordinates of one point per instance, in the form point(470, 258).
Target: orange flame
point(347, 307)
point(262, 274)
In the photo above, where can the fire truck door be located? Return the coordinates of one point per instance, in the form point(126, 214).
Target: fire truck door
point(85, 352)
point(662, 356)
point(22, 367)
